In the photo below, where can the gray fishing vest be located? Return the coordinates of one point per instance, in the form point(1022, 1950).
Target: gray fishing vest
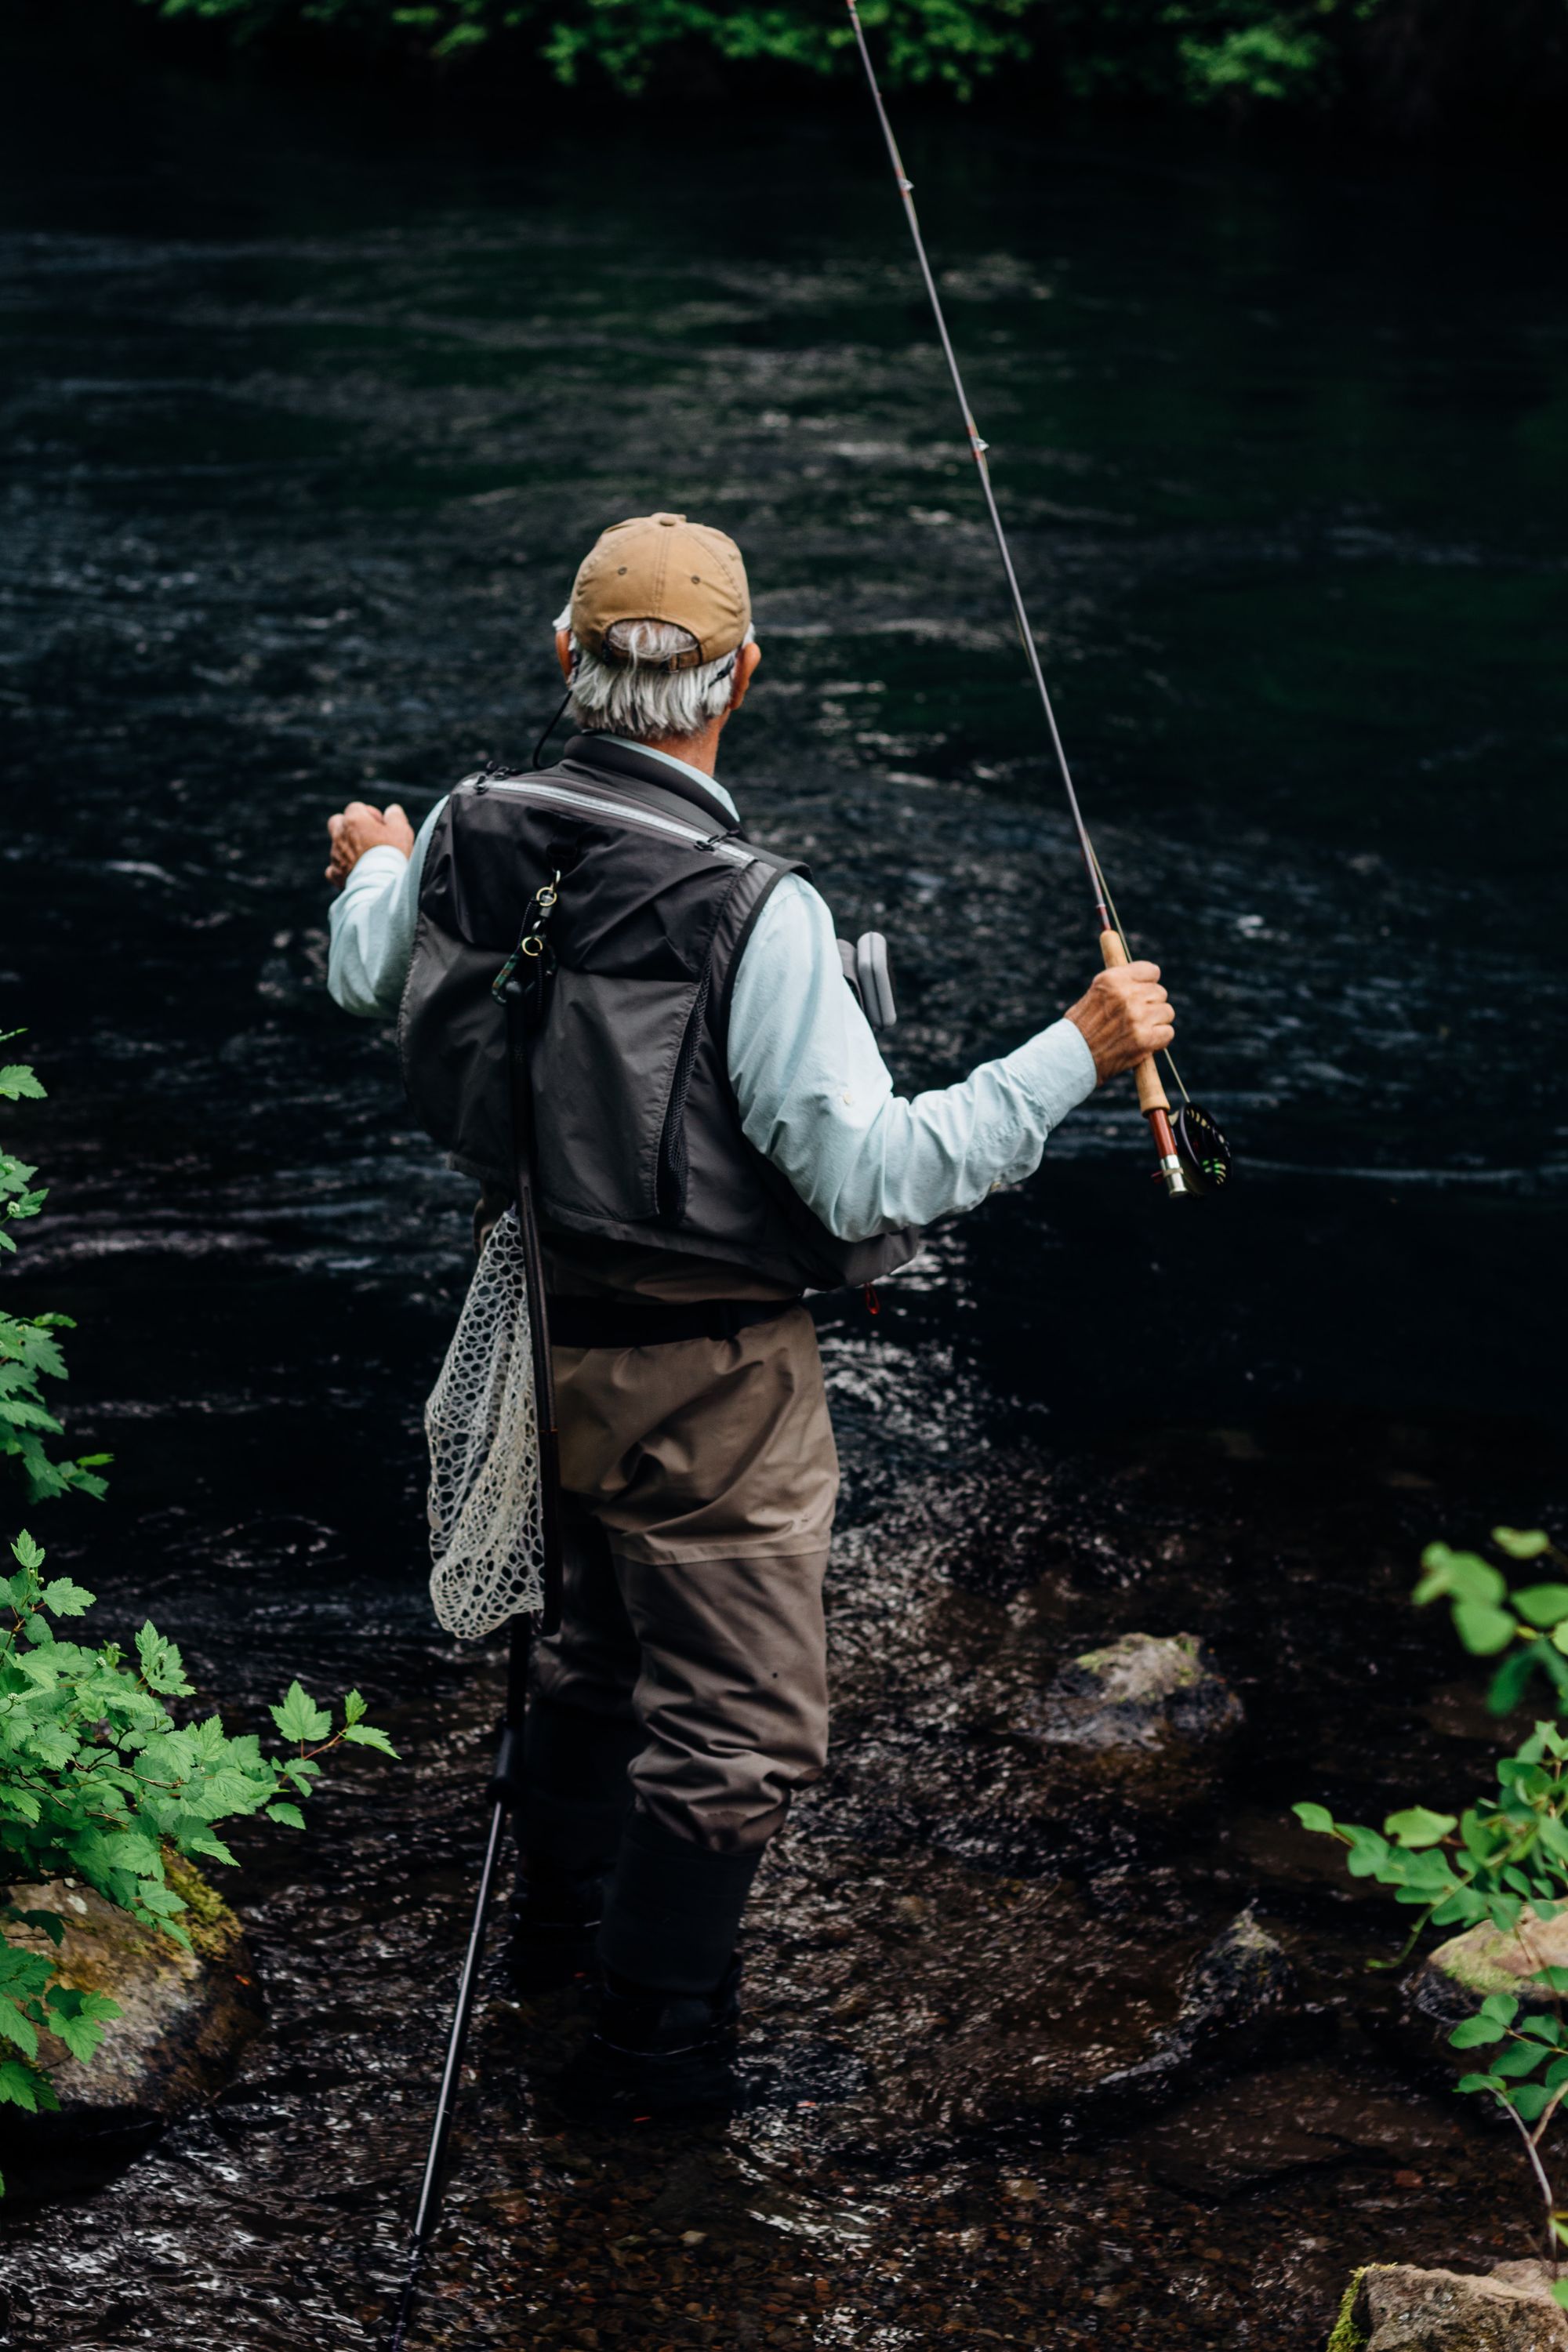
point(638, 1137)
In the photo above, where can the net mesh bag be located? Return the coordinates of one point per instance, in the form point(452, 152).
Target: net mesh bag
point(487, 1537)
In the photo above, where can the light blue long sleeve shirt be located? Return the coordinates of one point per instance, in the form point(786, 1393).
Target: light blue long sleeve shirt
point(812, 1090)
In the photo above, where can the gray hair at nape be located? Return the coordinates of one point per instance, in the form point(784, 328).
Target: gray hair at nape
point(637, 693)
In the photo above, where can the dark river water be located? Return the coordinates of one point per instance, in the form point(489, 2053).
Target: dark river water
point(309, 415)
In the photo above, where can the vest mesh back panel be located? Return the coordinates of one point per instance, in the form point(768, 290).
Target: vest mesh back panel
point(487, 1541)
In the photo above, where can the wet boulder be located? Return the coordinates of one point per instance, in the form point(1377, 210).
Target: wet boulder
point(1456, 1978)
point(1394, 2307)
point(185, 2016)
point(1241, 2001)
point(1144, 1693)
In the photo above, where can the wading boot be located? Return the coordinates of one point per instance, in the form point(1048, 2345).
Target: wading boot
point(575, 1799)
point(555, 1927)
point(664, 2043)
point(657, 2056)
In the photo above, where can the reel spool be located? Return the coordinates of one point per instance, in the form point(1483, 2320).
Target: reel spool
point(1202, 1150)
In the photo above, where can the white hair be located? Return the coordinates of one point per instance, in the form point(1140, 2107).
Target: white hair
point(636, 693)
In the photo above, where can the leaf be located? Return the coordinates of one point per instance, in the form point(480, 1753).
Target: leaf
point(78, 2019)
point(1508, 1684)
point(162, 1668)
point(1529, 2102)
point(18, 1083)
point(27, 1552)
point(365, 1735)
point(16, 2028)
point(1502, 2005)
point(289, 1815)
point(1472, 2033)
point(1483, 1628)
point(1521, 1543)
point(1541, 1605)
point(19, 2087)
point(299, 1718)
point(1522, 2059)
point(65, 1599)
point(1463, 1575)
point(1560, 2292)
point(1419, 1827)
point(353, 1707)
point(1314, 1817)
point(1478, 2083)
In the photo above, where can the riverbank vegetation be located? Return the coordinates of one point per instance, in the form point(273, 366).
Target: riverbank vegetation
point(1400, 66)
point(100, 1784)
point(1501, 1866)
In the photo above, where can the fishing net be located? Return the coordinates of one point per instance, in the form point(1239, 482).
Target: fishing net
point(487, 1539)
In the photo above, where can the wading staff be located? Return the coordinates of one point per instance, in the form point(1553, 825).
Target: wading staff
point(520, 988)
point(1193, 1156)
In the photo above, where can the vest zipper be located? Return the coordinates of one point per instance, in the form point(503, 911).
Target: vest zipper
point(564, 798)
point(669, 1180)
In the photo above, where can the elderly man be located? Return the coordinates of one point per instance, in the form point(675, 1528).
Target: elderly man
point(717, 1133)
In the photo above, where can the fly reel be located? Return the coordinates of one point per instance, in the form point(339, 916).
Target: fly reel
point(1202, 1150)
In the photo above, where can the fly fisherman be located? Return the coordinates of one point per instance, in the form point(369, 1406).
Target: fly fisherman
point(716, 1133)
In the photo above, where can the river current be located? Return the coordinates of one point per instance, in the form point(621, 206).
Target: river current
point(311, 411)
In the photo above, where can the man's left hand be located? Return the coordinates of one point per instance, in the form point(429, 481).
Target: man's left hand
point(359, 828)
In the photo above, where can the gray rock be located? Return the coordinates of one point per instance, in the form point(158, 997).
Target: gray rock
point(187, 2015)
point(1144, 1691)
point(1456, 1978)
point(1393, 2307)
point(1242, 2000)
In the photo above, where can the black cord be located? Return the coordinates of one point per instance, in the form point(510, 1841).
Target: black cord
point(538, 746)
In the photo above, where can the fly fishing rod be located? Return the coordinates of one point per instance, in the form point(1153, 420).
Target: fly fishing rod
point(1192, 1154)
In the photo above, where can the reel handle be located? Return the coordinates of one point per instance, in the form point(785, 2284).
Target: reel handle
point(1153, 1099)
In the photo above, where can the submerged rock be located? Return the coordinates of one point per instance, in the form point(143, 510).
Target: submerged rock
point(1242, 2000)
point(1144, 1691)
point(185, 2016)
point(973, 2000)
point(1394, 2307)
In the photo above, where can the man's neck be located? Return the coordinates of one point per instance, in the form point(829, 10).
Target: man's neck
point(697, 751)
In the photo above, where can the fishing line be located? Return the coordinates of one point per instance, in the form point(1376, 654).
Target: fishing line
point(1192, 1154)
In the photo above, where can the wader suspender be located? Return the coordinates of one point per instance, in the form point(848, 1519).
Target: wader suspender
point(522, 986)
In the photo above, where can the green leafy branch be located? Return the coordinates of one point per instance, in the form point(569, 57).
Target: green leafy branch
point(99, 1783)
point(1504, 1860)
point(29, 1351)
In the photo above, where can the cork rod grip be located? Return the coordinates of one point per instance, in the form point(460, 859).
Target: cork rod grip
point(1151, 1094)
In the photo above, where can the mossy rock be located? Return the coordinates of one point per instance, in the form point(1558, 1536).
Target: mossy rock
point(1395, 2307)
point(1147, 1699)
point(186, 2014)
point(1454, 1980)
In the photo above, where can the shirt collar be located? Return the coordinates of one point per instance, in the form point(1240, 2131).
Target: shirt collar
point(699, 776)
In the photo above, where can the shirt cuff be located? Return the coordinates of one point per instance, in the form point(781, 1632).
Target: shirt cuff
point(1055, 1069)
point(380, 866)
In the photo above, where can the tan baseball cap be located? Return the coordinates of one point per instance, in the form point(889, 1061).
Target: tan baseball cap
point(659, 567)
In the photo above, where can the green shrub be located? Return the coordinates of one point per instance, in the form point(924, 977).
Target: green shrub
point(1504, 1860)
point(100, 1782)
point(1410, 62)
point(30, 1351)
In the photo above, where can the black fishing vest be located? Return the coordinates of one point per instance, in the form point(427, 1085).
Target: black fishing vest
point(638, 1137)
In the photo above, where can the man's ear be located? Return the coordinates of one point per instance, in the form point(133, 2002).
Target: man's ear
point(746, 662)
point(564, 653)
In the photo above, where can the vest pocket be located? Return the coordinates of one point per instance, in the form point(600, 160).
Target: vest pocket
point(611, 1071)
